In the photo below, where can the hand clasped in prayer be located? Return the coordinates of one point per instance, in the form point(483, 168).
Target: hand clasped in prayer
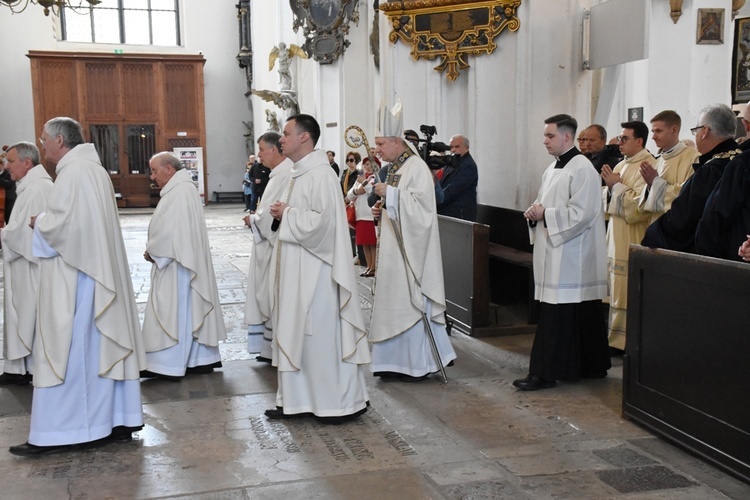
point(534, 212)
point(277, 209)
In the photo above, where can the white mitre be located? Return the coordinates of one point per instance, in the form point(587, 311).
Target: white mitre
point(390, 121)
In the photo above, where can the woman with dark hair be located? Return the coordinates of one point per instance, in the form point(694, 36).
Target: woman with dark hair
point(349, 175)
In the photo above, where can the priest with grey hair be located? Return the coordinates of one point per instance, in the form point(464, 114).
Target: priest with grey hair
point(88, 350)
point(183, 323)
point(407, 312)
point(20, 267)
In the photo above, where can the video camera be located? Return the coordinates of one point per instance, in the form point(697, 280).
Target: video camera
point(426, 149)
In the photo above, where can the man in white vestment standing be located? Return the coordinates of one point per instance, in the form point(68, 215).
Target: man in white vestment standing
point(20, 267)
point(88, 351)
point(627, 221)
point(183, 323)
point(673, 168)
point(320, 344)
point(409, 290)
point(566, 227)
point(260, 275)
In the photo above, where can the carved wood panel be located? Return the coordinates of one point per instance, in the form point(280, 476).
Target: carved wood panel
point(102, 94)
point(180, 99)
point(139, 91)
point(56, 98)
point(159, 93)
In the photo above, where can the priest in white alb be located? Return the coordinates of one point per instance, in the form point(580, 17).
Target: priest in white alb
point(409, 302)
point(88, 351)
point(260, 276)
point(320, 346)
point(20, 267)
point(183, 323)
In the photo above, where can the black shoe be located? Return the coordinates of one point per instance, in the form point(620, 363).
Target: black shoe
point(408, 378)
point(15, 379)
point(122, 434)
point(614, 352)
point(202, 370)
point(30, 450)
point(278, 414)
point(533, 383)
point(386, 374)
point(601, 374)
point(263, 359)
point(150, 374)
point(343, 419)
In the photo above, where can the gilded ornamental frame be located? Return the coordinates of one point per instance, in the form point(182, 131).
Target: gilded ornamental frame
point(450, 29)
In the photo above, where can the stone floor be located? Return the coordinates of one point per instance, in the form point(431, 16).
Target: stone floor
point(475, 437)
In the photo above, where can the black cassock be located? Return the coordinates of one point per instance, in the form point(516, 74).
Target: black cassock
point(726, 218)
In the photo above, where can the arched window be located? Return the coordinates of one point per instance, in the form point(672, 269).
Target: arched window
point(132, 22)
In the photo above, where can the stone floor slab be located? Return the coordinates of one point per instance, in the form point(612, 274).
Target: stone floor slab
point(637, 479)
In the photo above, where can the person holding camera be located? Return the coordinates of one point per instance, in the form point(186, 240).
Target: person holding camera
point(459, 183)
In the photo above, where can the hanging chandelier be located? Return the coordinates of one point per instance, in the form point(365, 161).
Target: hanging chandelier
point(17, 6)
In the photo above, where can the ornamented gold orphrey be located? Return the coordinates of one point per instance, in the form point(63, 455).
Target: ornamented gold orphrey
point(450, 29)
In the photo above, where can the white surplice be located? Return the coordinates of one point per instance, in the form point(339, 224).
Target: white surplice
point(21, 271)
point(570, 253)
point(183, 322)
point(260, 276)
point(88, 352)
point(320, 345)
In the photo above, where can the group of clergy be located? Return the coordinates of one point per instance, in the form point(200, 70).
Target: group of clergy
point(302, 305)
point(70, 314)
point(685, 199)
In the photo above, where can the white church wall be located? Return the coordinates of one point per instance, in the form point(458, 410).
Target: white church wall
point(203, 25)
point(501, 101)
point(679, 74)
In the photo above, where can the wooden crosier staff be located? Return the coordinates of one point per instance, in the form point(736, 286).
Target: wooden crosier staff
point(355, 137)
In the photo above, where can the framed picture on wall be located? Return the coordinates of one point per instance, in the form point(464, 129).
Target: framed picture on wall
point(635, 114)
point(710, 27)
point(741, 61)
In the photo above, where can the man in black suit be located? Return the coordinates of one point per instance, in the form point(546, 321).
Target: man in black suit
point(592, 142)
point(459, 183)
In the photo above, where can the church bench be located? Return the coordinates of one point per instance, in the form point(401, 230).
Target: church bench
point(511, 259)
point(228, 197)
point(463, 245)
point(685, 370)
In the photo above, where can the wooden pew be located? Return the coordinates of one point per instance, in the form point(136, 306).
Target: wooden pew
point(464, 251)
point(511, 263)
point(228, 197)
point(686, 374)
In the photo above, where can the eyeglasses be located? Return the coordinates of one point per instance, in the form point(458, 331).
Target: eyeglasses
point(350, 160)
point(43, 141)
point(623, 138)
point(695, 130)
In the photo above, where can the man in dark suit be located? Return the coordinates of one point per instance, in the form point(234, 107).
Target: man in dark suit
point(593, 143)
point(459, 183)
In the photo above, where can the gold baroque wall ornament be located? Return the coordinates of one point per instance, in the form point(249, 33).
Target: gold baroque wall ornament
point(450, 29)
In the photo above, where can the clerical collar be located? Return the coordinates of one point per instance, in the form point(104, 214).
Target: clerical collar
point(564, 158)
